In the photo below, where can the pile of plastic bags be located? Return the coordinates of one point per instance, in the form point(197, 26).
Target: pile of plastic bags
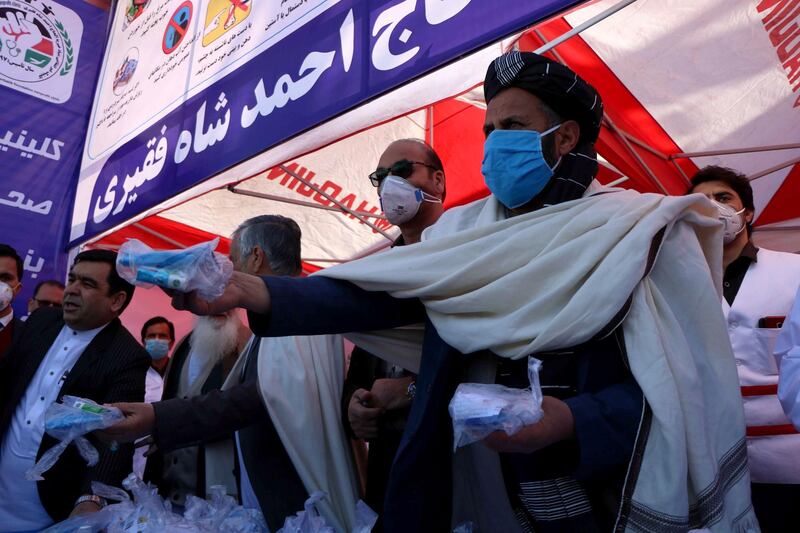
point(478, 409)
point(196, 268)
point(147, 512)
point(309, 520)
point(68, 421)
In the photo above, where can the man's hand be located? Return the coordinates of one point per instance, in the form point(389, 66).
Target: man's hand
point(243, 290)
point(391, 393)
point(140, 419)
point(363, 415)
point(556, 425)
point(85, 508)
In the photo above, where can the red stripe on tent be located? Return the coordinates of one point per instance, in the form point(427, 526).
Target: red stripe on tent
point(625, 111)
point(458, 139)
point(784, 205)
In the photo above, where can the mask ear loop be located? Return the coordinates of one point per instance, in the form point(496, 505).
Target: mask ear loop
point(548, 132)
point(740, 212)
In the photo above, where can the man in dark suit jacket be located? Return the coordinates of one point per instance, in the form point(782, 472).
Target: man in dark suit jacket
point(86, 352)
point(268, 480)
point(10, 275)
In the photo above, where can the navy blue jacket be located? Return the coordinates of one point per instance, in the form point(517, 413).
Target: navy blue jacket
point(605, 401)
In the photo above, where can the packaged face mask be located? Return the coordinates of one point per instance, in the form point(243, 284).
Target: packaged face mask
point(196, 268)
point(68, 422)
point(479, 409)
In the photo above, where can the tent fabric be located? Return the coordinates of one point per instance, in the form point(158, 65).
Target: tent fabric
point(658, 75)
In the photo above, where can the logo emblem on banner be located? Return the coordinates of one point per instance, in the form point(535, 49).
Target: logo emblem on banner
point(177, 27)
point(39, 48)
point(222, 16)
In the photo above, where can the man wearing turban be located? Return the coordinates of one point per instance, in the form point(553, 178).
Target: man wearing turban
point(642, 428)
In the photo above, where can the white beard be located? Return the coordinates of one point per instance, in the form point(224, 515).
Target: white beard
point(213, 339)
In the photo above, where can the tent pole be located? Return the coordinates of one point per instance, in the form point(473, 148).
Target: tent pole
point(636, 156)
point(283, 199)
point(778, 228)
point(733, 151)
point(682, 173)
point(616, 182)
point(776, 168)
point(580, 27)
point(334, 200)
point(159, 235)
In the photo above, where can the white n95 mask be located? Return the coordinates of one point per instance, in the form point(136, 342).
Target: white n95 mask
point(400, 200)
point(733, 221)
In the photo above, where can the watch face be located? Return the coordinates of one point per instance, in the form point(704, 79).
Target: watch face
point(412, 390)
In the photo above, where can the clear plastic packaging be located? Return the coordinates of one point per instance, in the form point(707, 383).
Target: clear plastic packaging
point(366, 518)
point(197, 268)
point(308, 520)
point(69, 421)
point(147, 512)
point(478, 409)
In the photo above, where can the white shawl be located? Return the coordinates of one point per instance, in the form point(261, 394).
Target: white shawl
point(555, 278)
point(301, 381)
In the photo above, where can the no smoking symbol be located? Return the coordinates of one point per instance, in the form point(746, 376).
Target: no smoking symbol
point(177, 27)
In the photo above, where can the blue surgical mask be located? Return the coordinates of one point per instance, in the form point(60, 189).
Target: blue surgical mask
point(157, 348)
point(514, 167)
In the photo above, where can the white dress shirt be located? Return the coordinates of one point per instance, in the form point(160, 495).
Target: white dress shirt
point(6, 320)
point(153, 389)
point(20, 506)
point(787, 353)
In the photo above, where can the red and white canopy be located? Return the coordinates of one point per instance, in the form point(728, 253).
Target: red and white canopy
point(685, 84)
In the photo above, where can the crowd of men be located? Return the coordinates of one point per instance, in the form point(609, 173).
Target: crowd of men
point(624, 297)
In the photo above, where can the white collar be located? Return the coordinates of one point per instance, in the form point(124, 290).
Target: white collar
point(6, 320)
point(86, 335)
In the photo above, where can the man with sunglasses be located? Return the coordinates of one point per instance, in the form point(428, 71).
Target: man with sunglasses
point(377, 394)
point(411, 187)
point(48, 293)
point(610, 288)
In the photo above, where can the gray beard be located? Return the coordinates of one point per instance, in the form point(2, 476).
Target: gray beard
point(212, 341)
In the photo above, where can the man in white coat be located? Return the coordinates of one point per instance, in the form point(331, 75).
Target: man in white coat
point(787, 355)
point(759, 287)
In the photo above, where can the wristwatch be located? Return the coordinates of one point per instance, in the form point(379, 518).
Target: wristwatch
point(411, 391)
point(101, 502)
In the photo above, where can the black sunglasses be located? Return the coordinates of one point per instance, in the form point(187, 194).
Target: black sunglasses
point(46, 303)
point(401, 169)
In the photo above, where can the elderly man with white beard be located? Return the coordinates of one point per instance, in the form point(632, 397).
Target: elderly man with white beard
point(200, 364)
point(281, 401)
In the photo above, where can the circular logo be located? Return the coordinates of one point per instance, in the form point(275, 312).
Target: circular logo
point(34, 44)
point(177, 27)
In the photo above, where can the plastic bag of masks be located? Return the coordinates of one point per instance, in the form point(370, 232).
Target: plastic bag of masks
point(478, 409)
point(195, 268)
point(68, 421)
point(147, 512)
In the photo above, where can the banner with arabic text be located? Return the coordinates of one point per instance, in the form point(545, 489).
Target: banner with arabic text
point(189, 89)
point(50, 53)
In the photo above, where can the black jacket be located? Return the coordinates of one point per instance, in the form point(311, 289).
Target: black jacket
point(112, 368)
